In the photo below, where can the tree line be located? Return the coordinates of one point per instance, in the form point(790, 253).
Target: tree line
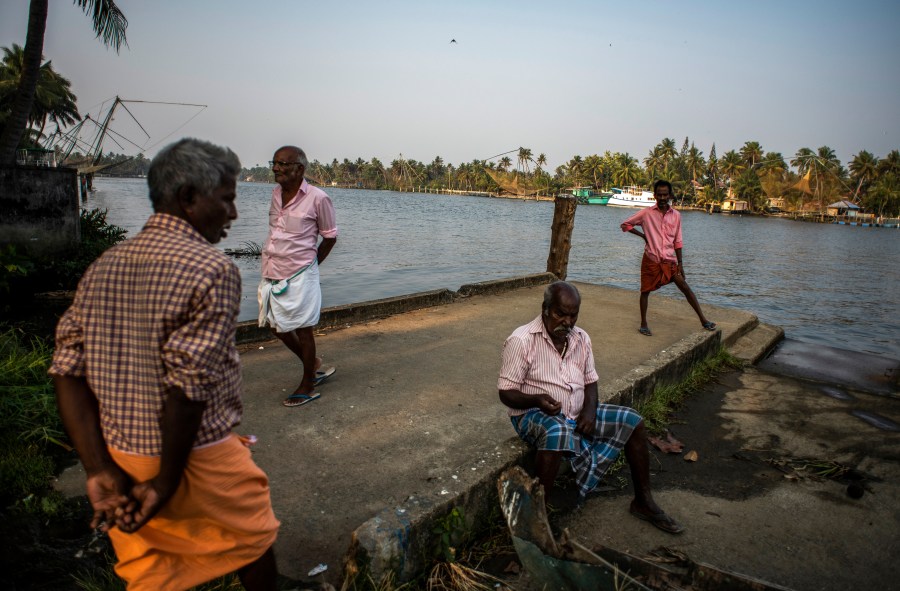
point(808, 180)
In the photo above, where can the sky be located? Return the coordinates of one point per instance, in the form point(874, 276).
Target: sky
point(362, 79)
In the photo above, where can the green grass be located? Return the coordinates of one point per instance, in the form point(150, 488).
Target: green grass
point(657, 410)
point(31, 434)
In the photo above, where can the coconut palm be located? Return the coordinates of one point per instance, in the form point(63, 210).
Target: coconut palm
point(751, 153)
point(732, 165)
point(53, 101)
point(504, 164)
point(890, 163)
point(575, 171)
point(524, 157)
point(802, 160)
point(667, 152)
point(863, 169)
point(653, 163)
point(694, 162)
point(108, 23)
point(773, 161)
point(629, 171)
point(593, 166)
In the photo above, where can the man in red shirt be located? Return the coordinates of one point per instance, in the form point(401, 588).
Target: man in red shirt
point(661, 263)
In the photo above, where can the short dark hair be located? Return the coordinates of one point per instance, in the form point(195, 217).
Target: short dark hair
point(190, 163)
point(663, 183)
point(553, 291)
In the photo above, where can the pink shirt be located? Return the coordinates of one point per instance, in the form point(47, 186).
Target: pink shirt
point(663, 231)
point(532, 365)
point(294, 230)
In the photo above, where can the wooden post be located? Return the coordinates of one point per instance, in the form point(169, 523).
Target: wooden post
point(561, 235)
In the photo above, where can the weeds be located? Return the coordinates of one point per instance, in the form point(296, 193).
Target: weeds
point(657, 409)
point(31, 435)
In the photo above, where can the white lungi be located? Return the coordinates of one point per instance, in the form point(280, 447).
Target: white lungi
point(291, 303)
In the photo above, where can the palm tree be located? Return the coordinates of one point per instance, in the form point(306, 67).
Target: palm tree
point(773, 161)
point(524, 158)
point(732, 165)
point(863, 169)
point(53, 99)
point(654, 161)
point(504, 164)
point(541, 162)
point(694, 162)
point(629, 170)
point(108, 23)
point(593, 165)
point(802, 160)
point(751, 153)
point(667, 151)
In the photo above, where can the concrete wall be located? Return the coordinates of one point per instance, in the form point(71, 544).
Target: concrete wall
point(39, 209)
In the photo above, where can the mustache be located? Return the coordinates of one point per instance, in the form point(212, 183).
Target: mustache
point(562, 329)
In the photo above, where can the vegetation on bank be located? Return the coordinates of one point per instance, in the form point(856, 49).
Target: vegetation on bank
point(807, 181)
point(810, 180)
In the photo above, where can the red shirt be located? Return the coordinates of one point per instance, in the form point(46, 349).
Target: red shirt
point(663, 231)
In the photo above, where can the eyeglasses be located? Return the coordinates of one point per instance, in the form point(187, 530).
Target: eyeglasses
point(274, 163)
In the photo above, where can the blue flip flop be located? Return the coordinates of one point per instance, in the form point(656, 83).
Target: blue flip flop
point(323, 375)
point(300, 399)
point(709, 325)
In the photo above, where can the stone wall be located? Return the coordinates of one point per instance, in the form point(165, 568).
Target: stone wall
point(39, 209)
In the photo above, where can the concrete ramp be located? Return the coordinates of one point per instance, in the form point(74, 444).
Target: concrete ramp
point(411, 425)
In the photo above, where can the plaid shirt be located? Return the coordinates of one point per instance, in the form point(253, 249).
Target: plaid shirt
point(532, 365)
point(156, 312)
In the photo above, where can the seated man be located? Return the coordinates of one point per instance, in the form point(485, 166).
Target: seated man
point(549, 383)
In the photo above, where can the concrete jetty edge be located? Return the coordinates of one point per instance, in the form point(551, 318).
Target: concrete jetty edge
point(340, 316)
point(400, 540)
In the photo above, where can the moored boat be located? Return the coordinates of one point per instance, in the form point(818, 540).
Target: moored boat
point(587, 196)
point(631, 197)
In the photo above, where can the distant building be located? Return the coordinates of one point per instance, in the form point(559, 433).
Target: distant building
point(735, 206)
point(842, 208)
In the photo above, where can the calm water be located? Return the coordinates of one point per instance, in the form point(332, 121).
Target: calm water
point(822, 283)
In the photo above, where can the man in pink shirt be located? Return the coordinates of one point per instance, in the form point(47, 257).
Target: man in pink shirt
point(661, 263)
point(549, 384)
point(290, 298)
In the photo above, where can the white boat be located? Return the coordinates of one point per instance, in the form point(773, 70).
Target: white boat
point(631, 197)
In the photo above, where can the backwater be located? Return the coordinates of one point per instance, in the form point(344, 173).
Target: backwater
point(825, 284)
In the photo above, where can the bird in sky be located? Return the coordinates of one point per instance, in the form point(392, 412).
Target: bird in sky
point(453, 41)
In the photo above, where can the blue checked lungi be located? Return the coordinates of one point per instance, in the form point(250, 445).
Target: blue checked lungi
point(590, 457)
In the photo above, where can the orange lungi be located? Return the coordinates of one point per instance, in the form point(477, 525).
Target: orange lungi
point(219, 520)
point(656, 274)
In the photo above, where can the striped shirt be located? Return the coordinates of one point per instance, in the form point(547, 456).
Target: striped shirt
point(532, 365)
point(294, 230)
point(663, 231)
point(156, 312)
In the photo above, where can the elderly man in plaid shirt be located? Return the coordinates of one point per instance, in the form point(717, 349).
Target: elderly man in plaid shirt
point(148, 382)
point(549, 384)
